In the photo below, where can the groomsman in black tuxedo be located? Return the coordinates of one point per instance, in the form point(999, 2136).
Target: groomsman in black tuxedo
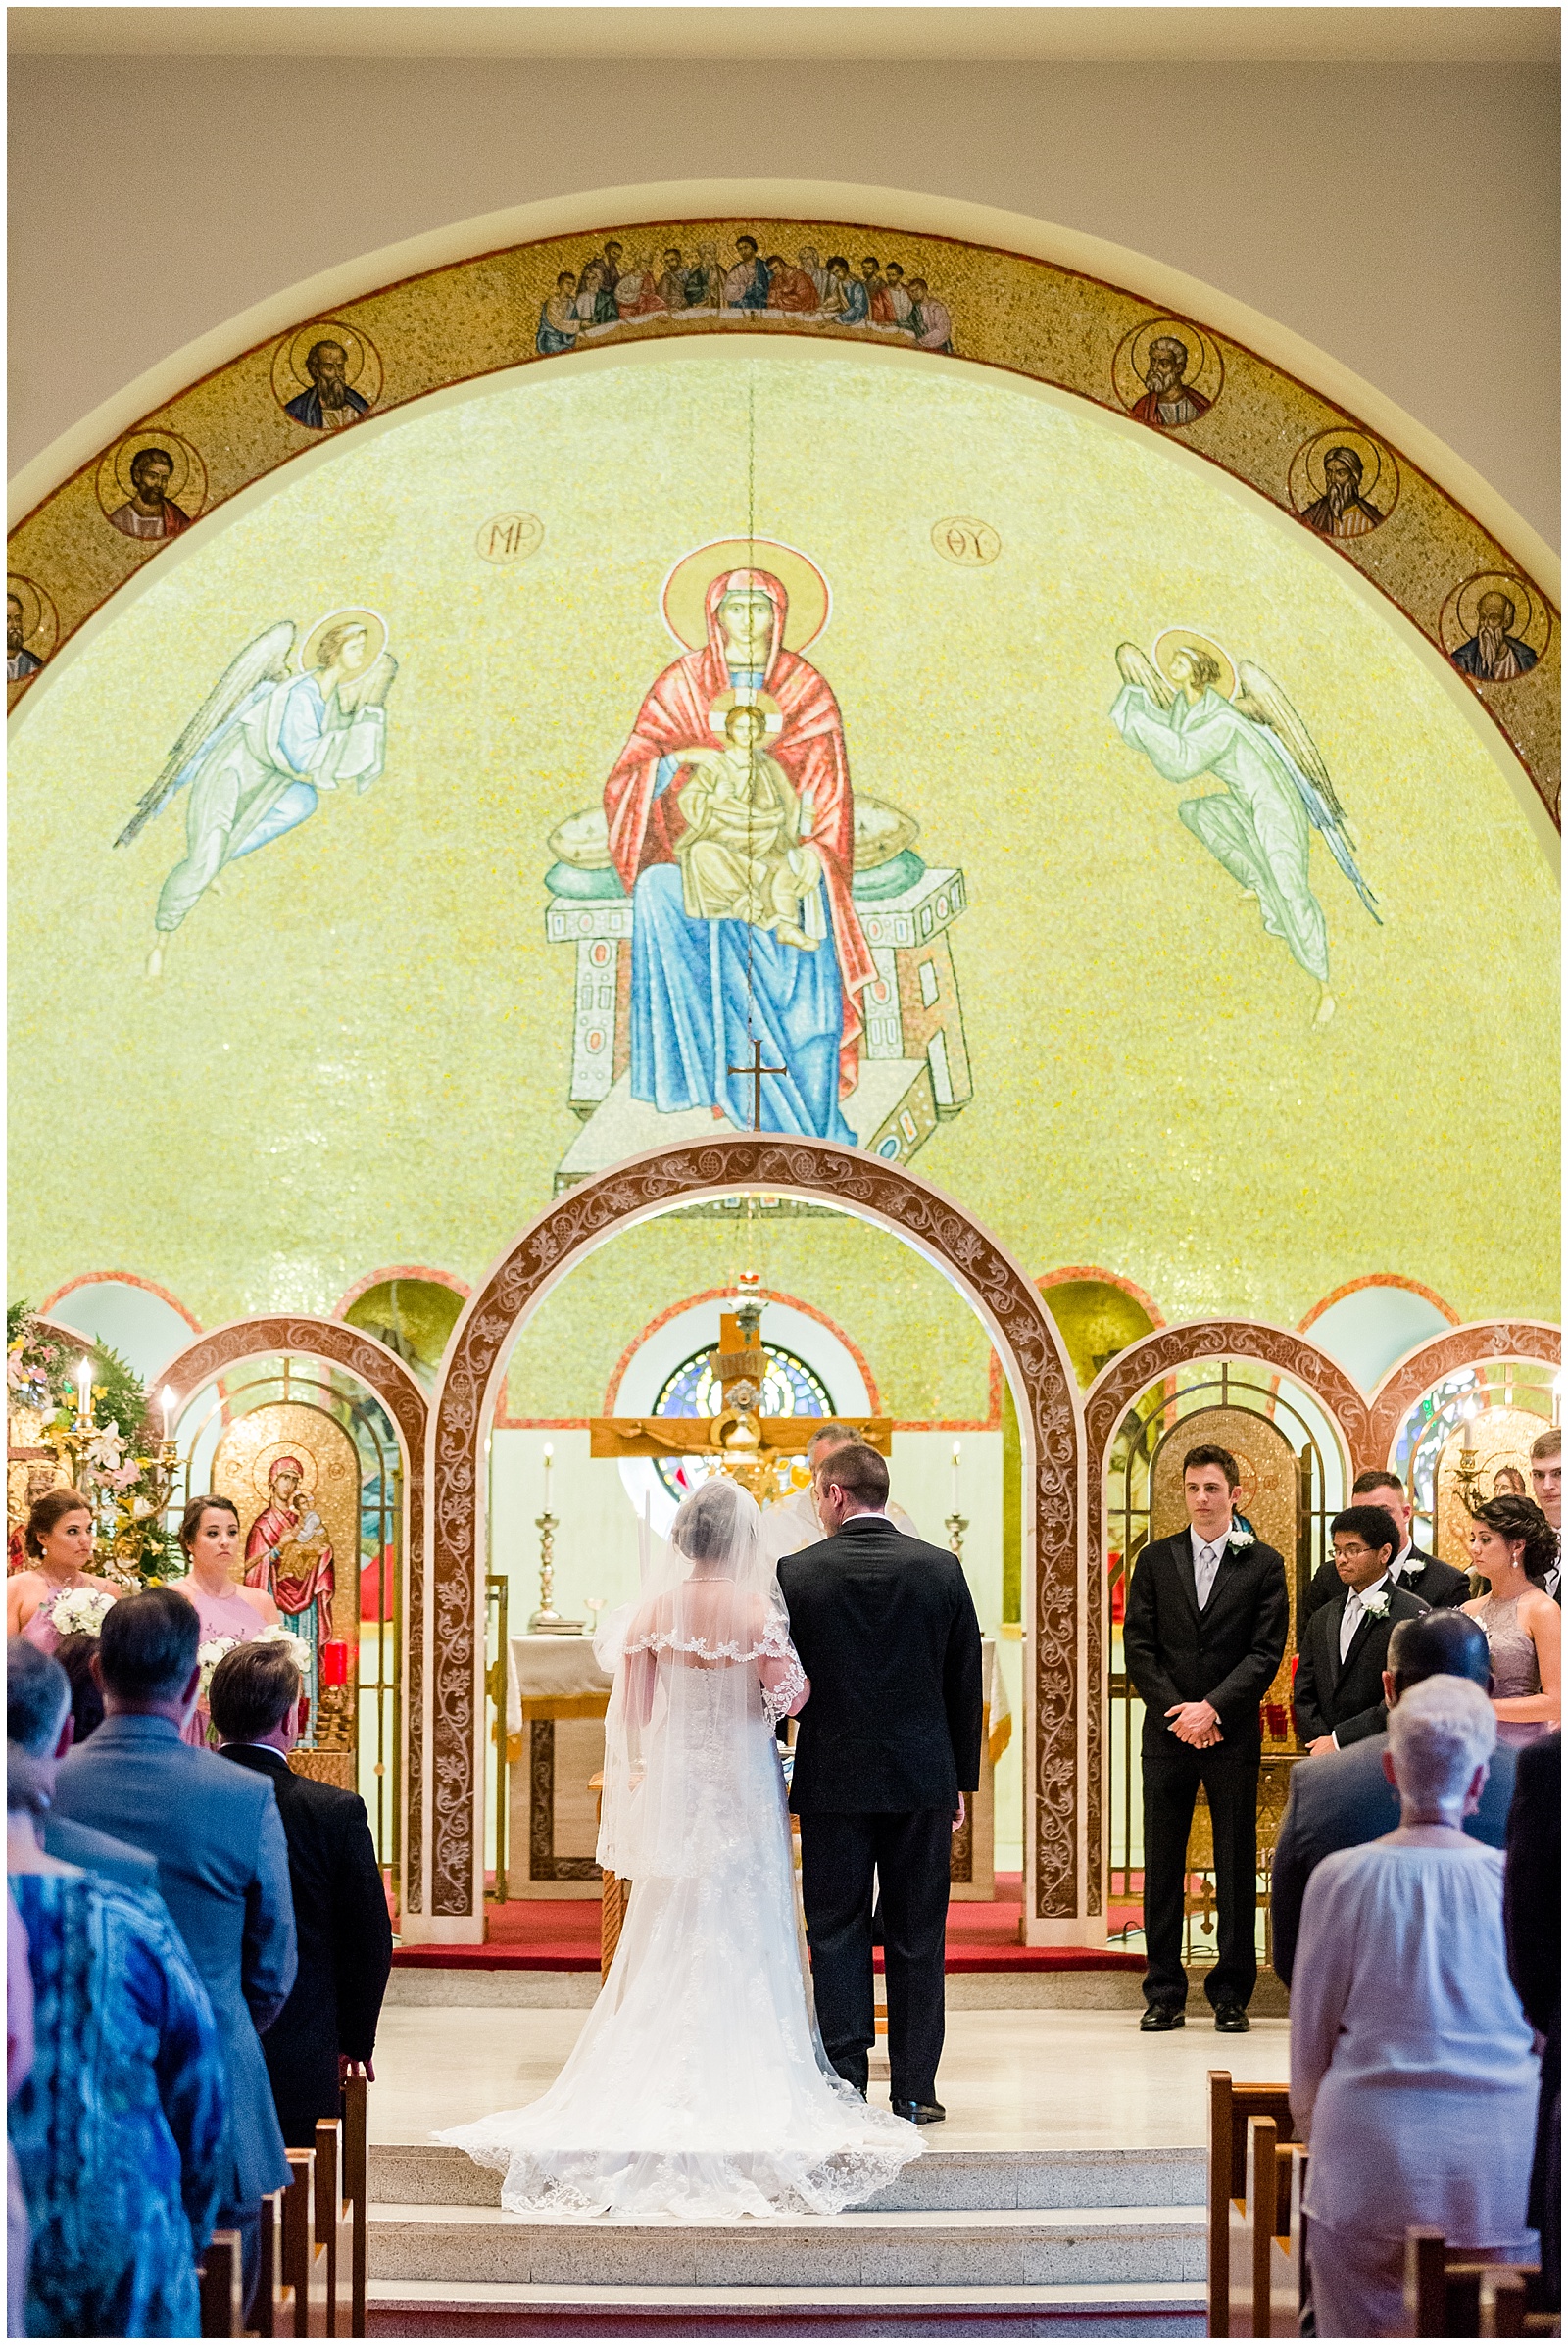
point(1339, 1678)
point(1437, 1585)
point(1207, 1617)
point(889, 1746)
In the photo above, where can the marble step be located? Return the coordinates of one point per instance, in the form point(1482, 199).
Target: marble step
point(1130, 2309)
point(430, 2173)
point(991, 2248)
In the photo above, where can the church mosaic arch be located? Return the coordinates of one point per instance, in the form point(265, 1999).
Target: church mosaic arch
point(1034, 1359)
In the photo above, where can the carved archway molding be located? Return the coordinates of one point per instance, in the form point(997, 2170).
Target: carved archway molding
point(1465, 1348)
point(404, 1401)
point(1057, 1711)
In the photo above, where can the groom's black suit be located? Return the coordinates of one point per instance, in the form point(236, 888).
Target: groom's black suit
point(886, 1630)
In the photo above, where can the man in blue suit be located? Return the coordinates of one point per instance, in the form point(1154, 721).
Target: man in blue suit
point(223, 1866)
point(1342, 1798)
point(38, 1721)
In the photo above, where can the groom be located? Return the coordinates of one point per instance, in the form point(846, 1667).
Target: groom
point(888, 1745)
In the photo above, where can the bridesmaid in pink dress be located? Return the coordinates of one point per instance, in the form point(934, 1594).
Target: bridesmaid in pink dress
point(209, 1536)
point(59, 1537)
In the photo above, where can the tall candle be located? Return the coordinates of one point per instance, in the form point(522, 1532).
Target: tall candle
point(84, 1388)
point(168, 1408)
point(958, 1447)
point(548, 1453)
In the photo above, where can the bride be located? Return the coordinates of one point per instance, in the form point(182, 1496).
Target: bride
point(699, 2091)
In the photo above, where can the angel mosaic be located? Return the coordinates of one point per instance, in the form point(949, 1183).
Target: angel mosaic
point(262, 746)
point(1193, 715)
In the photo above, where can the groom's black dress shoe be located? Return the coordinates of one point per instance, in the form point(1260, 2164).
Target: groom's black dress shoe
point(1231, 2020)
point(921, 2113)
point(1160, 2017)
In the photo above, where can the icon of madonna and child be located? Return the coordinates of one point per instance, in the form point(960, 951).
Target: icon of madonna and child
point(731, 824)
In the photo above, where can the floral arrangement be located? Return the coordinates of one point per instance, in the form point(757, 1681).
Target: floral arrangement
point(107, 1465)
point(79, 1611)
point(212, 1652)
point(1375, 1603)
point(1243, 1539)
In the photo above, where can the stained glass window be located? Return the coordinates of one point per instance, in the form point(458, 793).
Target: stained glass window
point(790, 1388)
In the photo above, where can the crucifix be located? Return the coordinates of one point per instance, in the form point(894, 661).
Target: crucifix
point(756, 1071)
point(751, 1446)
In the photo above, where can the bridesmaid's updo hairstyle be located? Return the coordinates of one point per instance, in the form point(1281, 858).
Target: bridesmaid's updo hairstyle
point(191, 1520)
point(1515, 1518)
point(45, 1512)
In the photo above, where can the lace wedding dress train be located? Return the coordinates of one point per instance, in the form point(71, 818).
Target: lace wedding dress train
point(699, 2091)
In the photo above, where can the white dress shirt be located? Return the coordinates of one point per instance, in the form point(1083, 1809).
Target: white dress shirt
point(1205, 1571)
point(1356, 1612)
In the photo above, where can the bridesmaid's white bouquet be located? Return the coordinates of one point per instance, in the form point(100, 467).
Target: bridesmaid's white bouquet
point(299, 1651)
point(79, 1611)
point(209, 1654)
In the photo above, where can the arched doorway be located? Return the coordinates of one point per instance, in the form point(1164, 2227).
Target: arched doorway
point(449, 1835)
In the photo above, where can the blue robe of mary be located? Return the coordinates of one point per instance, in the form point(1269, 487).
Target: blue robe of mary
point(704, 990)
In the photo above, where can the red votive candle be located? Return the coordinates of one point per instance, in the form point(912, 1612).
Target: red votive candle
point(335, 1662)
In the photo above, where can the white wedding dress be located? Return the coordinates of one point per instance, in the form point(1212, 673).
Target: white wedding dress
point(699, 2091)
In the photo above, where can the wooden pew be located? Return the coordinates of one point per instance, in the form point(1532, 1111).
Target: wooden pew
point(357, 2191)
point(217, 2282)
point(1230, 2107)
point(304, 2258)
point(1448, 2294)
point(1287, 2255)
point(273, 2311)
point(334, 2225)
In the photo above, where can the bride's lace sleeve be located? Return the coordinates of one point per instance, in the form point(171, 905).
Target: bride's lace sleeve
point(778, 1666)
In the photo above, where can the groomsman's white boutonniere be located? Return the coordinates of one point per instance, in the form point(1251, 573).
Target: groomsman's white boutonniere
point(1375, 1605)
point(1241, 1538)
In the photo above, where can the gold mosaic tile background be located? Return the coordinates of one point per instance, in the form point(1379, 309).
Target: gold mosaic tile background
point(457, 323)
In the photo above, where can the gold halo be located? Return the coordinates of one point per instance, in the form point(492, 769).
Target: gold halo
point(265, 1459)
point(746, 696)
point(362, 373)
point(1206, 369)
point(187, 488)
point(371, 621)
point(684, 592)
point(1187, 639)
point(1307, 479)
point(39, 614)
point(1462, 613)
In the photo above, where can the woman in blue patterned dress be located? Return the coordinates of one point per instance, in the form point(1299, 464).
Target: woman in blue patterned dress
point(119, 2127)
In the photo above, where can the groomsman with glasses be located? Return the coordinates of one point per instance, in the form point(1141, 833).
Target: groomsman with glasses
point(1207, 1617)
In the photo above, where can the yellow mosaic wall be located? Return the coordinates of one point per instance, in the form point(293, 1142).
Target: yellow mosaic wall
point(359, 1049)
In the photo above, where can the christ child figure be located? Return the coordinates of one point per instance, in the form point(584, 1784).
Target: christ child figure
point(741, 855)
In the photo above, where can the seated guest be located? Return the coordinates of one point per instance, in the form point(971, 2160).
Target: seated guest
point(223, 1865)
point(19, 2064)
point(1513, 1547)
point(1532, 1915)
point(1413, 2078)
point(260, 1708)
point(1338, 1674)
point(209, 1536)
point(1345, 1799)
point(119, 2127)
point(1419, 1575)
point(1545, 1484)
point(59, 1542)
point(75, 1655)
point(38, 1721)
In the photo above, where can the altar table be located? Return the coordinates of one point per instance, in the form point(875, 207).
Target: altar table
point(557, 1696)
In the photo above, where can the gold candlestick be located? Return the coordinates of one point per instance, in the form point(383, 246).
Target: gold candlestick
point(957, 1526)
point(546, 1621)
